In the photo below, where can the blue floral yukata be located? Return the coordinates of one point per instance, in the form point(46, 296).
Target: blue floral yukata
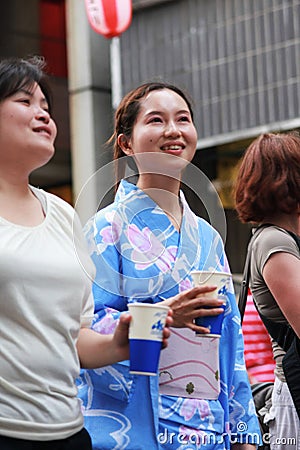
point(140, 256)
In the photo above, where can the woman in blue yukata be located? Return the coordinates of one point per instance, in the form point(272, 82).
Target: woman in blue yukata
point(144, 246)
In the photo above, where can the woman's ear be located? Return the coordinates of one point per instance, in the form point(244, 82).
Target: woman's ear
point(124, 144)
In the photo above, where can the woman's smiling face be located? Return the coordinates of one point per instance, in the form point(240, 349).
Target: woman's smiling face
point(163, 126)
point(27, 131)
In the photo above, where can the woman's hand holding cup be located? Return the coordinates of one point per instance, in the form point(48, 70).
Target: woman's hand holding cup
point(191, 304)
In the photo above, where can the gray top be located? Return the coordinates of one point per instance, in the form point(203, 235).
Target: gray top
point(270, 240)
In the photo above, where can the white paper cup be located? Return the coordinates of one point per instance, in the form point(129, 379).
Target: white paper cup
point(219, 279)
point(222, 281)
point(145, 336)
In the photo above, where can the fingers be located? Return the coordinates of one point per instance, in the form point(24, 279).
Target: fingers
point(201, 330)
point(189, 305)
point(186, 306)
point(204, 302)
point(164, 343)
point(166, 335)
point(207, 311)
point(121, 332)
point(194, 294)
point(198, 290)
point(166, 330)
point(125, 319)
point(195, 291)
point(122, 329)
point(169, 319)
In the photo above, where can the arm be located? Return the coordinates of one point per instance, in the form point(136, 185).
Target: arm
point(97, 350)
point(281, 274)
point(190, 304)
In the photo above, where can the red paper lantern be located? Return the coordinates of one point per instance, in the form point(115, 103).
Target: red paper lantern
point(109, 17)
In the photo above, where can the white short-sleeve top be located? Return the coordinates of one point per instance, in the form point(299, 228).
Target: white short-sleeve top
point(45, 297)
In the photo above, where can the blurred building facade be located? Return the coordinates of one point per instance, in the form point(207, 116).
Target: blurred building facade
point(239, 60)
point(38, 27)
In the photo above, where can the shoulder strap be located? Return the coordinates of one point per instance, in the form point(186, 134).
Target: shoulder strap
point(245, 284)
point(246, 273)
point(296, 237)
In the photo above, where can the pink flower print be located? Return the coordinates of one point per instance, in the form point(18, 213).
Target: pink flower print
point(184, 285)
point(106, 325)
point(148, 250)
point(199, 437)
point(106, 234)
point(111, 233)
point(191, 406)
point(204, 409)
point(139, 239)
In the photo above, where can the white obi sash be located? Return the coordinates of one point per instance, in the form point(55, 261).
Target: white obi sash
point(189, 366)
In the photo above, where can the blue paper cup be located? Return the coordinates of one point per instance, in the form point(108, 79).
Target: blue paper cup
point(213, 323)
point(145, 337)
point(222, 280)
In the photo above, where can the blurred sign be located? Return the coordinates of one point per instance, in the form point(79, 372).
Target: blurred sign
point(109, 17)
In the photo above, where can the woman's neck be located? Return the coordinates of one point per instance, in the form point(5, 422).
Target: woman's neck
point(159, 181)
point(289, 222)
point(19, 205)
point(14, 188)
point(165, 193)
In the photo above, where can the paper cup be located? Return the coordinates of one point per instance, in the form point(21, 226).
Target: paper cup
point(222, 281)
point(213, 323)
point(219, 279)
point(145, 336)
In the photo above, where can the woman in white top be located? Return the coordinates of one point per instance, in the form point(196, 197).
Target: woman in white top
point(45, 281)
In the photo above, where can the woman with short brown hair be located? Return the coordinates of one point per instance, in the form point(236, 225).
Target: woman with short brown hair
point(268, 194)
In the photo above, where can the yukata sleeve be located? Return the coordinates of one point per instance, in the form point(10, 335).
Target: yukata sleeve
point(241, 424)
point(98, 388)
point(244, 427)
point(108, 299)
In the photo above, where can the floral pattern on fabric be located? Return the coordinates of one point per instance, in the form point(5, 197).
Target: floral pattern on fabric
point(140, 256)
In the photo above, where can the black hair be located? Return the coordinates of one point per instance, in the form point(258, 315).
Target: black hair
point(18, 73)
